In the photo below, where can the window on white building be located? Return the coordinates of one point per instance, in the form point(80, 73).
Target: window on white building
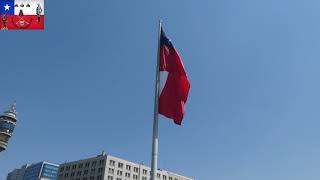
point(119, 173)
point(111, 171)
point(112, 162)
point(120, 165)
point(144, 172)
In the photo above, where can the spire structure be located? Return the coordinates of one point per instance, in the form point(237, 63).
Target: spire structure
point(8, 122)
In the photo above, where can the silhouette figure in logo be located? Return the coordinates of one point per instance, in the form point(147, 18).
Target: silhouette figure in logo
point(4, 22)
point(39, 11)
point(21, 12)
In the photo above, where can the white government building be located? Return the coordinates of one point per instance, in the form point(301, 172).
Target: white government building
point(107, 167)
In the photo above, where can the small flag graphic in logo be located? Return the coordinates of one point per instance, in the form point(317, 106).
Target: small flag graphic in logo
point(22, 14)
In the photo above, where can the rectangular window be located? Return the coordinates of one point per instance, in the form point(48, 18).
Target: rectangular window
point(78, 173)
point(128, 167)
point(119, 173)
point(80, 166)
point(101, 161)
point(110, 177)
point(100, 170)
point(67, 168)
point(66, 175)
point(112, 162)
point(85, 172)
point(93, 171)
point(164, 177)
point(170, 178)
point(158, 175)
point(94, 163)
point(85, 178)
point(135, 169)
point(120, 165)
point(91, 177)
point(72, 174)
point(111, 171)
point(144, 172)
point(61, 169)
point(127, 175)
point(87, 164)
point(74, 166)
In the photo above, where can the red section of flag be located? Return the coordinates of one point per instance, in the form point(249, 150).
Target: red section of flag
point(175, 92)
point(24, 22)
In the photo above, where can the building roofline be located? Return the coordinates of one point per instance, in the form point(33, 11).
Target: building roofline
point(43, 162)
point(169, 172)
point(54, 164)
point(142, 164)
point(71, 162)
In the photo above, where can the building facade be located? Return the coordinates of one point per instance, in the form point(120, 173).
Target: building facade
point(107, 167)
point(18, 174)
point(38, 171)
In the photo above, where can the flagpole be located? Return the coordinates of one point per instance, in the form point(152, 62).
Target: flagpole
point(154, 160)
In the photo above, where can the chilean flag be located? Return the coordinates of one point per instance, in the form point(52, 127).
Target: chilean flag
point(21, 14)
point(174, 83)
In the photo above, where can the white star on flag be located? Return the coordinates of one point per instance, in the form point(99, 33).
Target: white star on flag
point(6, 7)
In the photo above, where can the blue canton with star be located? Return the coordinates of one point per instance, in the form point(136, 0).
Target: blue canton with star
point(7, 7)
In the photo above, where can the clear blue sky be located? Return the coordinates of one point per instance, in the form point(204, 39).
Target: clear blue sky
point(86, 84)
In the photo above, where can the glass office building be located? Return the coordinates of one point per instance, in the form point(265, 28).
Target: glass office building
point(41, 170)
point(38, 171)
point(18, 174)
point(49, 171)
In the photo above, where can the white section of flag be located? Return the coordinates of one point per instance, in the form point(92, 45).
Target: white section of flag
point(163, 80)
point(32, 10)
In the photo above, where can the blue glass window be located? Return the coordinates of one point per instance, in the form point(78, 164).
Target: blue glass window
point(6, 125)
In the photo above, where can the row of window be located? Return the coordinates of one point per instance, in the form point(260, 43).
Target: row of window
point(128, 175)
point(79, 166)
point(111, 178)
point(49, 175)
point(119, 173)
point(164, 177)
point(128, 167)
point(100, 177)
point(135, 177)
point(135, 169)
point(92, 171)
